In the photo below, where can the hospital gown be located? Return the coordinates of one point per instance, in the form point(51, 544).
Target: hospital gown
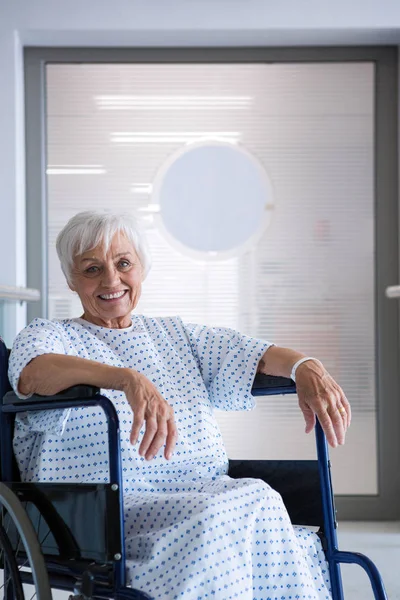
point(190, 531)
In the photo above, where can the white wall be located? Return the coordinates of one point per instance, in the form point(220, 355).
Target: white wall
point(151, 22)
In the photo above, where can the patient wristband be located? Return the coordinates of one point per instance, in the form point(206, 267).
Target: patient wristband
point(298, 363)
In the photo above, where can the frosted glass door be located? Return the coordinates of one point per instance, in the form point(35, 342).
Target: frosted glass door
point(307, 283)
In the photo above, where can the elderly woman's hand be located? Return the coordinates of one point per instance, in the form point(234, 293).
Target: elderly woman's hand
point(145, 400)
point(150, 407)
point(319, 395)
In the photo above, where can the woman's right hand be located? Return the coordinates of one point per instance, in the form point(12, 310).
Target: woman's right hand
point(145, 400)
point(149, 406)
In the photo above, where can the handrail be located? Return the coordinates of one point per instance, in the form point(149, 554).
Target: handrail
point(13, 292)
point(393, 291)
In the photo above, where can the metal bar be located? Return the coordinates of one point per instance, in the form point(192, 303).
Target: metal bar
point(13, 292)
point(329, 513)
point(368, 566)
point(393, 291)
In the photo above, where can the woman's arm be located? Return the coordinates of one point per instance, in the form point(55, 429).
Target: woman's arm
point(48, 374)
point(319, 394)
point(278, 361)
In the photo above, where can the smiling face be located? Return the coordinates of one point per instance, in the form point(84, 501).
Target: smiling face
point(109, 283)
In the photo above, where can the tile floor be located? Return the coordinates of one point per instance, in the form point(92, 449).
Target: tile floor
point(380, 541)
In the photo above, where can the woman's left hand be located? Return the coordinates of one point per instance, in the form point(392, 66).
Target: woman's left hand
point(319, 395)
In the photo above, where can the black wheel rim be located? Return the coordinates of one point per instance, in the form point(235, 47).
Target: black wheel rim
point(11, 588)
point(21, 557)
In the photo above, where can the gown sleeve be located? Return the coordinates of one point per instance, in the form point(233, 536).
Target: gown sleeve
point(228, 362)
point(39, 337)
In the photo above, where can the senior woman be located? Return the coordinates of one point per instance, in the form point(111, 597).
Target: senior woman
point(191, 531)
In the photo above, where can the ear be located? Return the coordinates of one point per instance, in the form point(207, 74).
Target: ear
point(71, 286)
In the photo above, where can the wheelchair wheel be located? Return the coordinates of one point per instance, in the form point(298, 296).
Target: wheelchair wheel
point(21, 558)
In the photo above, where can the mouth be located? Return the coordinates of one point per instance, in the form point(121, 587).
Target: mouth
point(113, 297)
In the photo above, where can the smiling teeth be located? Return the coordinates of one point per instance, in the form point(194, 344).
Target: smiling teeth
point(111, 296)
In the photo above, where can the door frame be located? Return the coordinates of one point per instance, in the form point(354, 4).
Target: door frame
point(385, 505)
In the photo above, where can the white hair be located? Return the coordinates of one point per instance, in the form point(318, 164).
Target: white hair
point(88, 229)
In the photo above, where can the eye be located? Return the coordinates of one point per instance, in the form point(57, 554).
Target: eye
point(91, 270)
point(124, 263)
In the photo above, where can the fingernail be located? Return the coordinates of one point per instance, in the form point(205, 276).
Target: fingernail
point(150, 457)
point(168, 457)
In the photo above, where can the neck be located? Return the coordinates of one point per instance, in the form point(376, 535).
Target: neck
point(117, 323)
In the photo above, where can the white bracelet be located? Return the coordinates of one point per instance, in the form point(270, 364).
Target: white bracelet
point(298, 363)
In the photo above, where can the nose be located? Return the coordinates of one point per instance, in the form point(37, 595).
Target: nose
point(111, 277)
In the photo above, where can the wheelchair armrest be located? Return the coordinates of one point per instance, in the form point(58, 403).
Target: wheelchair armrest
point(75, 397)
point(75, 392)
point(264, 385)
point(270, 385)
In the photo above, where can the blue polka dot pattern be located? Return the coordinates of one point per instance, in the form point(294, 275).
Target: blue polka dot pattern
point(191, 531)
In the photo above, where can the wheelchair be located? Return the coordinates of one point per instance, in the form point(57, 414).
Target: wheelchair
point(71, 536)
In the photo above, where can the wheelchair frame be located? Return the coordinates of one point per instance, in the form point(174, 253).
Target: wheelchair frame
point(86, 396)
point(12, 405)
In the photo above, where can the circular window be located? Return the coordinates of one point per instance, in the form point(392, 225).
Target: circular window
point(213, 200)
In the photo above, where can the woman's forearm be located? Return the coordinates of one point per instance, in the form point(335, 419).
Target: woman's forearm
point(278, 361)
point(50, 373)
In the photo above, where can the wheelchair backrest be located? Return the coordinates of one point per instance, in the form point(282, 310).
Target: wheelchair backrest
point(4, 388)
point(4, 383)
